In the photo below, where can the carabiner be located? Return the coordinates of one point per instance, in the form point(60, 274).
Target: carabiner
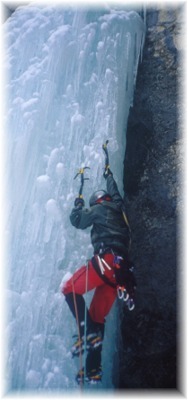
point(130, 304)
point(120, 292)
point(126, 295)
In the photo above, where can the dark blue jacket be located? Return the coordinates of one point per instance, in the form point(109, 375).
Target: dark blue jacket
point(109, 229)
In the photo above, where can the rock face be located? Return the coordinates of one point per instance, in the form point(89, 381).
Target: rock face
point(153, 160)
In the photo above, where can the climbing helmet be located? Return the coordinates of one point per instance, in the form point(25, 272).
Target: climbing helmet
point(99, 196)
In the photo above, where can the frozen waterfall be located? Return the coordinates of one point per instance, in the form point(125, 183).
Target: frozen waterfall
point(70, 77)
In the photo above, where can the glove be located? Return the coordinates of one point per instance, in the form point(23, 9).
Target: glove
point(107, 172)
point(79, 202)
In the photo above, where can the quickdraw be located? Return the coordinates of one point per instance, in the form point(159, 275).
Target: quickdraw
point(81, 173)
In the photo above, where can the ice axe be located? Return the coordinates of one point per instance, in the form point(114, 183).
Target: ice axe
point(104, 146)
point(107, 169)
point(81, 173)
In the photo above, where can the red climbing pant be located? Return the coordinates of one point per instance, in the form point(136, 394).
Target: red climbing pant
point(86, 279)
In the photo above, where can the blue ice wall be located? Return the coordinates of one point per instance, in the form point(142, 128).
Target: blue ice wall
point(70, 78)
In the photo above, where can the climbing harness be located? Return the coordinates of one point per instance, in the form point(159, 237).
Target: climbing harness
point(99, 264)
point(99, 268)
point(81, 173)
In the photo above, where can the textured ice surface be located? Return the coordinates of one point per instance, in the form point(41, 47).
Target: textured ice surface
point(70, 82)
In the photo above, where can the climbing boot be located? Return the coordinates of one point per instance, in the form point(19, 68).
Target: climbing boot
point(93, 341)
point(78, 347)
point(93, 376)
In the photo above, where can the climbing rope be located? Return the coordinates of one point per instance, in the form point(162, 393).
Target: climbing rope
point(85, 327)
point(85, 320)
point(79, 338)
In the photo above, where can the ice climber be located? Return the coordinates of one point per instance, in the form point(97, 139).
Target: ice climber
point(108, 271)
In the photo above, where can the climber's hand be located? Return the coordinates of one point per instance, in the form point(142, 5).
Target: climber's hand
point(79, 202)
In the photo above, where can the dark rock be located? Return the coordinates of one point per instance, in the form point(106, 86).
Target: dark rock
point(152, 161)
point(152, 18)
point(170, 43)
